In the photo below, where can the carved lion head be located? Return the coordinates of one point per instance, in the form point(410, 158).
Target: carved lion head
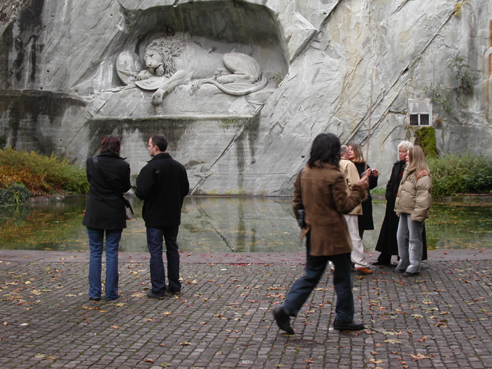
point(168, 48)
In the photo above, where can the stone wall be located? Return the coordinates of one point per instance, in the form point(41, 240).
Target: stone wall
point(345, 67)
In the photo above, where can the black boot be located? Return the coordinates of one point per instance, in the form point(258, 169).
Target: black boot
point(282, 318)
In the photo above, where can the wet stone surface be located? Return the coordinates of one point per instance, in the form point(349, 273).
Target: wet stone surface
point(440, 319)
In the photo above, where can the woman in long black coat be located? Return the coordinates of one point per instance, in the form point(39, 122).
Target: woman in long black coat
point(109, 178)
point(387, 244)
point(365, 220)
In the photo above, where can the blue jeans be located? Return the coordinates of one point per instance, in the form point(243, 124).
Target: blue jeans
point(410, 244)
point(342, 281)
point(96, 243)
point(157, 272)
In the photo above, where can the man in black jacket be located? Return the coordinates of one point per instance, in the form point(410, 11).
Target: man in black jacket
point(162, 184)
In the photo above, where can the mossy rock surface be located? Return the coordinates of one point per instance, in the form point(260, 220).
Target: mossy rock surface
point(426, 138)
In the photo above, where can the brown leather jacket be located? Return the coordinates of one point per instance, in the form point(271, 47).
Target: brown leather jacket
point(323, 193)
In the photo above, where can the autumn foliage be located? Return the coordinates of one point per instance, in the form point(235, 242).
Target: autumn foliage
point(41, 174)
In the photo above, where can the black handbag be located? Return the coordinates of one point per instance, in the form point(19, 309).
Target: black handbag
point(300, 212)
point(128, 206)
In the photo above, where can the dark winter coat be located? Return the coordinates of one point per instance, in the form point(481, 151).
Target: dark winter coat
point(366, 221)
point(163, 185)
point(105, 210)
point(387, 243)
point(324, 195)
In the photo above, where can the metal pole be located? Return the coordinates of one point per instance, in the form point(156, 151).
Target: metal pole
point(370, 115)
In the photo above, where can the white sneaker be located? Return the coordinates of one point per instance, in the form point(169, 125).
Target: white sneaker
point(331, 266)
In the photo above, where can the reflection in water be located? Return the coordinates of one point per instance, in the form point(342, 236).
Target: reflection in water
point(239, 225)
point(44, 226)
point(219, 224)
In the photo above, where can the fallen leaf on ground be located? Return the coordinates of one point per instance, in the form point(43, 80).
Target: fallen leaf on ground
point(392, 341)
point(420, 356)
point(376, 361)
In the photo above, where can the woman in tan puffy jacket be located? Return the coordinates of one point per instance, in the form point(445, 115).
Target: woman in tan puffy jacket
point(412, 206)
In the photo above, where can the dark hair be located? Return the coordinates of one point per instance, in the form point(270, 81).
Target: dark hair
point(160, 141)
point(111, 143)
point(325, 149)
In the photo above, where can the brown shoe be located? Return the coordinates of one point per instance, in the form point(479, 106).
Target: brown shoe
point(363, 271)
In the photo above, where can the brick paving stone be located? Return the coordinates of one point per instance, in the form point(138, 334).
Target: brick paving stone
point(440, 319)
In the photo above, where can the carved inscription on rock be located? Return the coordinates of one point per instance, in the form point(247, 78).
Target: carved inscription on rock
point(197, 143)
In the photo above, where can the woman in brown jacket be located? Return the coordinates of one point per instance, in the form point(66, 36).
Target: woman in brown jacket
point(412, 206)
point(322, 190)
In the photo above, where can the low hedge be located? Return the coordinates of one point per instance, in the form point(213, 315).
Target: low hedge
point(40, 174)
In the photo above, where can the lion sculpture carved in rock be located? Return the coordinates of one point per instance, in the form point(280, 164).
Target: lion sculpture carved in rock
point(173, 61)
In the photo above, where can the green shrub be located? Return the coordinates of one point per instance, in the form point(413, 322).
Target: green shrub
point(41, 174)
point(439, 97)
point(463, 74)
point(426, 138)
point(465, 173)
point(14, 195)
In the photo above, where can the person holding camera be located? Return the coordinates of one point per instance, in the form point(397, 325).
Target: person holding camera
point(349, 170)
point(321, 190)
point(366, 222)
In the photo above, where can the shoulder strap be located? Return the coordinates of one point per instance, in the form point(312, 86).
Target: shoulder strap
point(299, 187)
point(120, 196)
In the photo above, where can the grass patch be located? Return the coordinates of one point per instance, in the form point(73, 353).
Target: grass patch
point(378, 191)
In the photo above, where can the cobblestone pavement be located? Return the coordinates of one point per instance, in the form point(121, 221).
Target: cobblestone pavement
point(441, 319)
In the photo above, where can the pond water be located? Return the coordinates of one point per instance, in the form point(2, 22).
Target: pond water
point(226, 224)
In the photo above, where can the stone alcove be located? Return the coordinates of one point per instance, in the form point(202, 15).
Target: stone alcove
point(217, 27)
point(202, 126)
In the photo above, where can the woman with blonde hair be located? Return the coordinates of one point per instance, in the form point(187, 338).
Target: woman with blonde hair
point(412, 206)
point(387, 244)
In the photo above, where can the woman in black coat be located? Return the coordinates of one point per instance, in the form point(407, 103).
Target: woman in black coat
point(109, 177)
point(387, 244)
point(355, 155)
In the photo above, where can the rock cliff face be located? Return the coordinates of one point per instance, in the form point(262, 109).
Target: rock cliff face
point(360, 69)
